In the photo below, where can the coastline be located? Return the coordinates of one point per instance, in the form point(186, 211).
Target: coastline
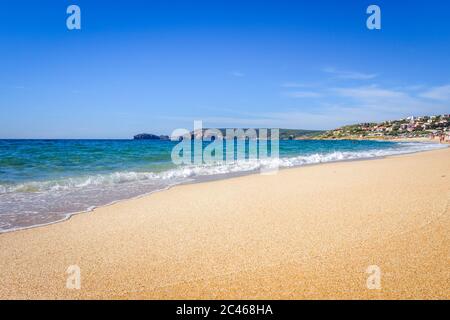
point(391, 139)
point(241, 240)
point(229, 175)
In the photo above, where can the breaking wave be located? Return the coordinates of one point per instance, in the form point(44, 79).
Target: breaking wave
point(40, 202)
point(194, 171)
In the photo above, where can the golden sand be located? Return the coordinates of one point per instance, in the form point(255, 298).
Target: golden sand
point(307, 232)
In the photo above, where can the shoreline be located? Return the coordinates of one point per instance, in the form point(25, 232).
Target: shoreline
point(219, 177)
point(304, 233)
point(388, 139)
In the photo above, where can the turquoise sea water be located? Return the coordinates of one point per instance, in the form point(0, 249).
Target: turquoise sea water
point(44, 181)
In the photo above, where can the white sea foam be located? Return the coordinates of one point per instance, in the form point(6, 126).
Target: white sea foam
point(41, 202)
point(179, 174)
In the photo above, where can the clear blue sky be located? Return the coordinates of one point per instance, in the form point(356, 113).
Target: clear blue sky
point(153, 66)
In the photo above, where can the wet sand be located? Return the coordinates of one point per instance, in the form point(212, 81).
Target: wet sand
point(304, 233)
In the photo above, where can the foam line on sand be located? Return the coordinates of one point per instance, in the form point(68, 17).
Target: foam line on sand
point(306, 232)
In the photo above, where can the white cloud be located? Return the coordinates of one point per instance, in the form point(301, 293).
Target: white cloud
point(14, 87)
point(437, 93)
point(386, 103)
point(334, 107)
point(369, 92)
point(302, 94)
point(350, 75)
point(294, 85)
point(236, 73)
point(287, 119)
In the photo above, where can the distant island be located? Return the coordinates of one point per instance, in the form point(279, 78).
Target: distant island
point(149, 136)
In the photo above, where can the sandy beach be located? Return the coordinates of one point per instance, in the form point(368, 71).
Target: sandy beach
point(304, 233)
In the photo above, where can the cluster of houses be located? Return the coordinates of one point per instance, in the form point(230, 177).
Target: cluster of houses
point(424, 126)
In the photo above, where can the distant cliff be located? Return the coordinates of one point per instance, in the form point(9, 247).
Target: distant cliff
point(149, 136)
point(285, 134)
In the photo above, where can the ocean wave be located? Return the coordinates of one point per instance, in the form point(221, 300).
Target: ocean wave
point(24, 205)
point(180, 174)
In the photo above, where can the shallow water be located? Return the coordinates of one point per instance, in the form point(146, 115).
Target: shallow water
point(43, 181)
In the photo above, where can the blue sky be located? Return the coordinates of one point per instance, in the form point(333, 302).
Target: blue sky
point(153, 66)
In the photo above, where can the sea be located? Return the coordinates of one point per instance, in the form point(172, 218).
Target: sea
point(46, 181)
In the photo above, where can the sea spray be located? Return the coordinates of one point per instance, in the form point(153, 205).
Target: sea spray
point(43, 181)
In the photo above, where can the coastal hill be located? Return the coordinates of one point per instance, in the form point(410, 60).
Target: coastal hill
point(411, 127)
point(285, 134)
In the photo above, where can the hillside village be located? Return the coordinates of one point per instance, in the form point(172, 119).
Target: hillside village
point(411, 127)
